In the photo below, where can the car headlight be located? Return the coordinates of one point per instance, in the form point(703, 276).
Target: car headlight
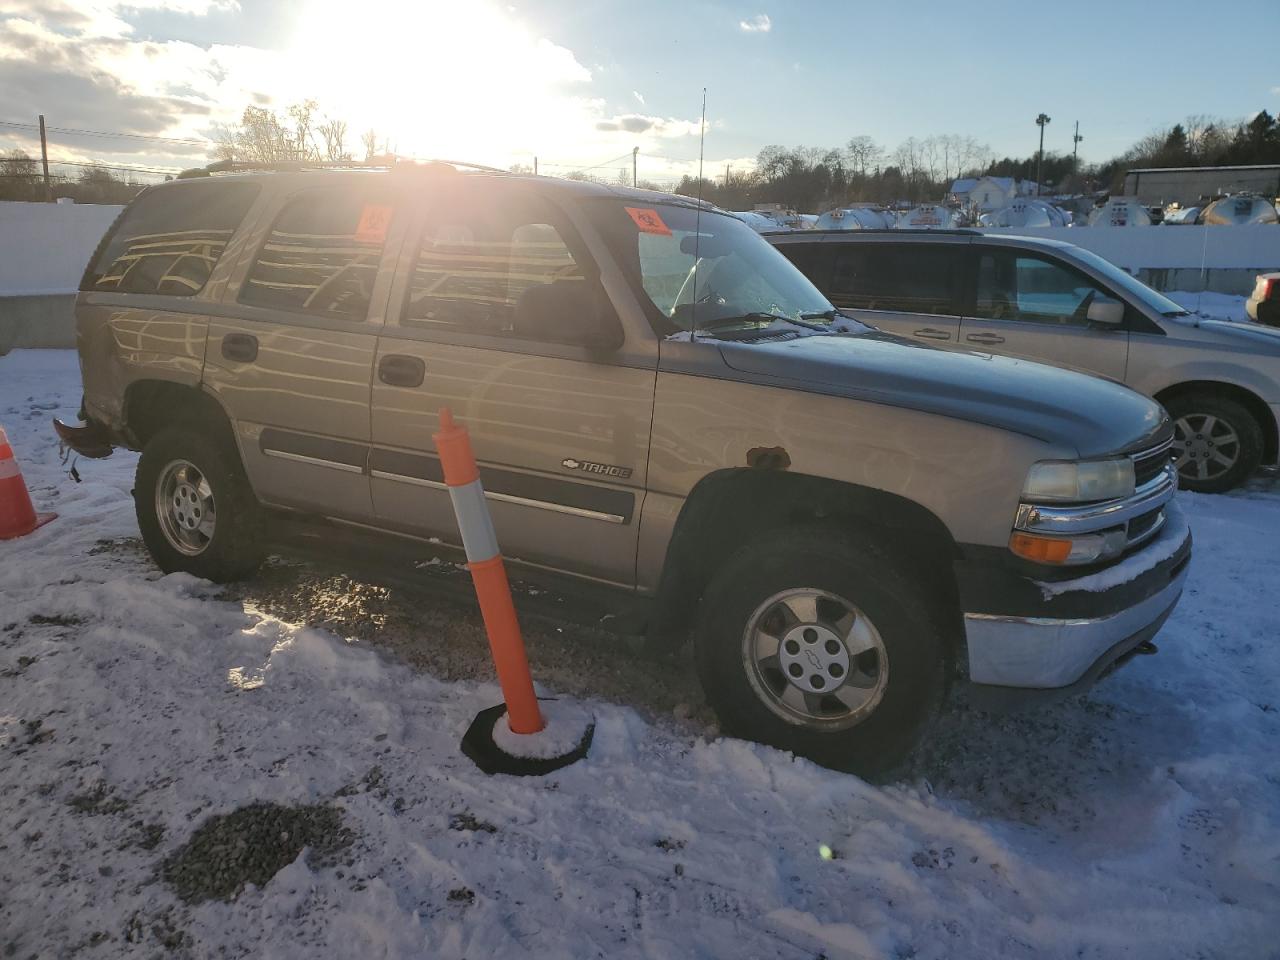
point(1082, 481)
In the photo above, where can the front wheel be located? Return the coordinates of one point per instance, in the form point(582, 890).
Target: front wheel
point(195, 509)
point(820, 646)
point(1217, 443)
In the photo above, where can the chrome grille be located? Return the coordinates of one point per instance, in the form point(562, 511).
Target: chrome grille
point(1148, 464)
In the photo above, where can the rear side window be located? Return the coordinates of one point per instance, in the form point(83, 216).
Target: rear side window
point(901, 277)
point(322, 255)
point(811, 259)
point(169, 239)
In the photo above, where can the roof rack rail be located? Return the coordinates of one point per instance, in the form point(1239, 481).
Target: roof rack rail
point(948, 231)
point(296, 166)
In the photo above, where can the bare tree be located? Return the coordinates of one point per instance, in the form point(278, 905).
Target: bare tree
point(369, 139)
point(20, 177)
point(334, 134)
point(864, 153)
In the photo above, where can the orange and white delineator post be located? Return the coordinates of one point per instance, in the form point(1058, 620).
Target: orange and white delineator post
point(17, 516)
point(489, 575)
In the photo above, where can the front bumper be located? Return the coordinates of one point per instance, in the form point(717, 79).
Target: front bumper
point(1035, 638)
point(90, 440)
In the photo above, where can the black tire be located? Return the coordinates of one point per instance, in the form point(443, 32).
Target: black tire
point(234, 549)
point(1191, 448)
point(917, 662)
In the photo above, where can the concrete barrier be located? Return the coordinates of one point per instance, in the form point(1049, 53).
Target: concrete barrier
point(44, 248)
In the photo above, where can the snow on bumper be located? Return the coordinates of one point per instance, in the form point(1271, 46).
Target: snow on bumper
point(1053, 652)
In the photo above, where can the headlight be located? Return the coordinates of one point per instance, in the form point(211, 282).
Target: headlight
point(1079, 481)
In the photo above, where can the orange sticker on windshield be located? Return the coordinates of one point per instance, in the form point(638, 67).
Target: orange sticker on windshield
point(648, 221)
point(374, 220)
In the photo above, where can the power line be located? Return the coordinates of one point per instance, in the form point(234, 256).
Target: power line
point(105, 133)
point(114, 166)
point(580, 167)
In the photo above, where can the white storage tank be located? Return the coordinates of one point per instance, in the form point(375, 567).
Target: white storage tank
point(1026, 213)
point(1242, 208)
point(856, 218)
point(928, 216)
point(1121, 212)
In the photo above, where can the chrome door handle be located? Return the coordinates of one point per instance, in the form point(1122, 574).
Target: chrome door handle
point(928, 333)
point(984, 338)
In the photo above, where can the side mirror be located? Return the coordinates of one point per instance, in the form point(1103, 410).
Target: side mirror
point(575, 312)
point(1105, 312)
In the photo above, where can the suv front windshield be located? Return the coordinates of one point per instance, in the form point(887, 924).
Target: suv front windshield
point(711, 272)
point(1130, 284)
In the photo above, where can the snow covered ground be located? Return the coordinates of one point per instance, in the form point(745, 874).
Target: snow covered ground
point(1141, 822)
point(1219, 306)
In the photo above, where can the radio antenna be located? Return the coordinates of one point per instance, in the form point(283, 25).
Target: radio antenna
point(697, 220)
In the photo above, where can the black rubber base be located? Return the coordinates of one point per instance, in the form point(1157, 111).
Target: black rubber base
point(478, 744)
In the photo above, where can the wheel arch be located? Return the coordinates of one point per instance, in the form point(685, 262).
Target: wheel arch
point(1256, 406)
point(729, 508)
point(152, 405)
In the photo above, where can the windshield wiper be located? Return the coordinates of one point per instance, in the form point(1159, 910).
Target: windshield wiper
point(824, 315)
point(758, 316)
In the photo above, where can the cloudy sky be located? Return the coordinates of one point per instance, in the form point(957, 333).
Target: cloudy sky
point(580, 84)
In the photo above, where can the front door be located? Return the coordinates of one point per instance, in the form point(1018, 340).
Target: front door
point(1033, 306)
point(911, 288)
point(291, 354)
point(561, 432)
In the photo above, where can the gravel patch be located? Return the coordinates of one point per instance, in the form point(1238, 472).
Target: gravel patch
point(251, 845)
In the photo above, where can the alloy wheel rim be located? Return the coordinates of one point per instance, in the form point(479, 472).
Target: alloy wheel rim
point(1207, 446)
point(815, 659)
point(185, 507)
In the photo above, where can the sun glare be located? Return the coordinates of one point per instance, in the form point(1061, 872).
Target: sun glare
point(451, 79)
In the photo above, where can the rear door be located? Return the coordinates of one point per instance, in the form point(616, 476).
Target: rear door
point(291, 354)
point(561, 432)
point(1032, 305)
point(911, 288)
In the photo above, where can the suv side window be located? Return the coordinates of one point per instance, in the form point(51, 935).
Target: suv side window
point(167, 241)
point(1012, 285)
point(480, 258)
point(899, 277)
point(322, 255)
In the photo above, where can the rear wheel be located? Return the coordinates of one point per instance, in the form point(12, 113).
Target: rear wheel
point(821, 646)
point(195, 509)
point(1217, 443)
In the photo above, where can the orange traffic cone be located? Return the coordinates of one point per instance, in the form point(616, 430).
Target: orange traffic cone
point(17, 516)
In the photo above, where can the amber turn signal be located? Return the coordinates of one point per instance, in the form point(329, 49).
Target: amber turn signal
point(1040, 549)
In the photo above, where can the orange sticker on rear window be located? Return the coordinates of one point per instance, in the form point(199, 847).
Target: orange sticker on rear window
point(648, 220)
point(374, 220)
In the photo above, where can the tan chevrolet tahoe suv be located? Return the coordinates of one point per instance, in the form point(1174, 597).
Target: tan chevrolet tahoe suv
point(666, 412)
point(1053, 302)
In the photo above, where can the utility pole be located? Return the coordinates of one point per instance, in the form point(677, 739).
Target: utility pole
point(1076, 149)
point(1042, 121)
point(535, 165)
point(635, 154)
point(44, 161)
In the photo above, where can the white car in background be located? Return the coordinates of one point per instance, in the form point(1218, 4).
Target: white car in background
point(1056, 303)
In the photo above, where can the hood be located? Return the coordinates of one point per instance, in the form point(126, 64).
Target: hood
point(1094, 417)
point(1242, 335)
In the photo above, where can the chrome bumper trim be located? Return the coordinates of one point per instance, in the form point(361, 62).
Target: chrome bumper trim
point(1041, 518)
point(1045, 653)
